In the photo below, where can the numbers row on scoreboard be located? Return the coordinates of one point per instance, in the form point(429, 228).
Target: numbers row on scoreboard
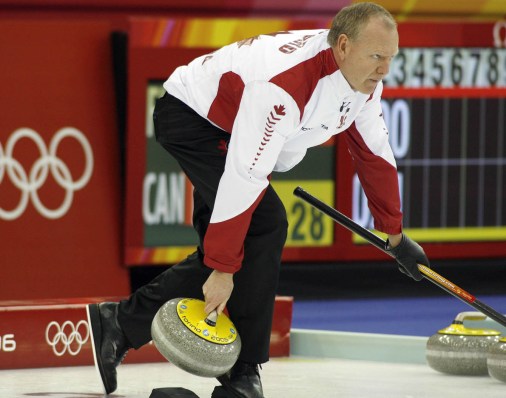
point(448, 67)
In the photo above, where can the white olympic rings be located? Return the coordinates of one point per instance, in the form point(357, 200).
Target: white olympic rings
point(67, 337)
point(30, 182)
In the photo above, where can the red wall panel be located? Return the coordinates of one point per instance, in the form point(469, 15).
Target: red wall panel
point(60, 181)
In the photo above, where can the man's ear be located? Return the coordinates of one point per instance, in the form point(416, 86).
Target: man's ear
point(342, 46)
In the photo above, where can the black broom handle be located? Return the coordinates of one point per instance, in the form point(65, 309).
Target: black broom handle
point(375, 240)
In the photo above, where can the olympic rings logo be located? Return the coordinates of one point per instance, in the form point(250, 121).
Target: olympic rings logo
point(67, 337)
point(499, 38)
point(30, 182)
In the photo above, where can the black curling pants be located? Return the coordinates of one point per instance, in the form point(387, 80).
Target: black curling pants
point(198, 147)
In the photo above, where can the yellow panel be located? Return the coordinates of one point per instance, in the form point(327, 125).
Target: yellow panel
point(307, 227)
point(451, 7)
point(494, 7)
point(218, 32)
point(403, 8)
point(396, 6)
point(171, 255)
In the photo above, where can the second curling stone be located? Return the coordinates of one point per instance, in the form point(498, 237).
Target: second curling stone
point(459, 350)
point(496, 360)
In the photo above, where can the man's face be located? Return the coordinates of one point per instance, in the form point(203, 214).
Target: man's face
point(366, 60)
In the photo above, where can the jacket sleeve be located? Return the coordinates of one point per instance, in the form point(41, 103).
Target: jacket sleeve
point(266, 115)
point(367, 140)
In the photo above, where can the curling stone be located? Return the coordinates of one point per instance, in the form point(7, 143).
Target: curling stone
point(459, 350)
point(496, 360)
point(204, 346)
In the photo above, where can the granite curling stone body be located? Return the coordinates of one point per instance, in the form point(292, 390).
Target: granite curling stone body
point(202, 346)
point(496, 360)
point(459, 350)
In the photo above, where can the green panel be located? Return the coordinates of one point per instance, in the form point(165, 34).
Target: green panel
point(318, 164)
point(165, 190)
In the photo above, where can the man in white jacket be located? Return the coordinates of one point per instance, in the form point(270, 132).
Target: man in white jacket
point(231, 118)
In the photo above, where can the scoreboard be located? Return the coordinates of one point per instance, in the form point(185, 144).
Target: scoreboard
point(444, 106)
point(449, 67)
point(450, 154)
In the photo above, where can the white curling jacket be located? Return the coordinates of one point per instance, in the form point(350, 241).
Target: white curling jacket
point(278, 95)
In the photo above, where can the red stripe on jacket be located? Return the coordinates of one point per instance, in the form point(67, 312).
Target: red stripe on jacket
point(225, 106)
point(381, 186)
point(225, 240)
point(295, 80)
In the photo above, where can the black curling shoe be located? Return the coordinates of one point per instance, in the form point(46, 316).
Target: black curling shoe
point(109, 343)
point(242, 381)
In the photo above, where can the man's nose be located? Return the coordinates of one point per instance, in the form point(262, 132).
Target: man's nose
point(384, 67)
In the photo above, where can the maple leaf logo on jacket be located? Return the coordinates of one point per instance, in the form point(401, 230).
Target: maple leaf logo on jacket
point(280, 110)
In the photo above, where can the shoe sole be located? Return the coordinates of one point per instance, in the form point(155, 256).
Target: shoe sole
point(96, 338)
point(220, 392)
point(226, 387)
